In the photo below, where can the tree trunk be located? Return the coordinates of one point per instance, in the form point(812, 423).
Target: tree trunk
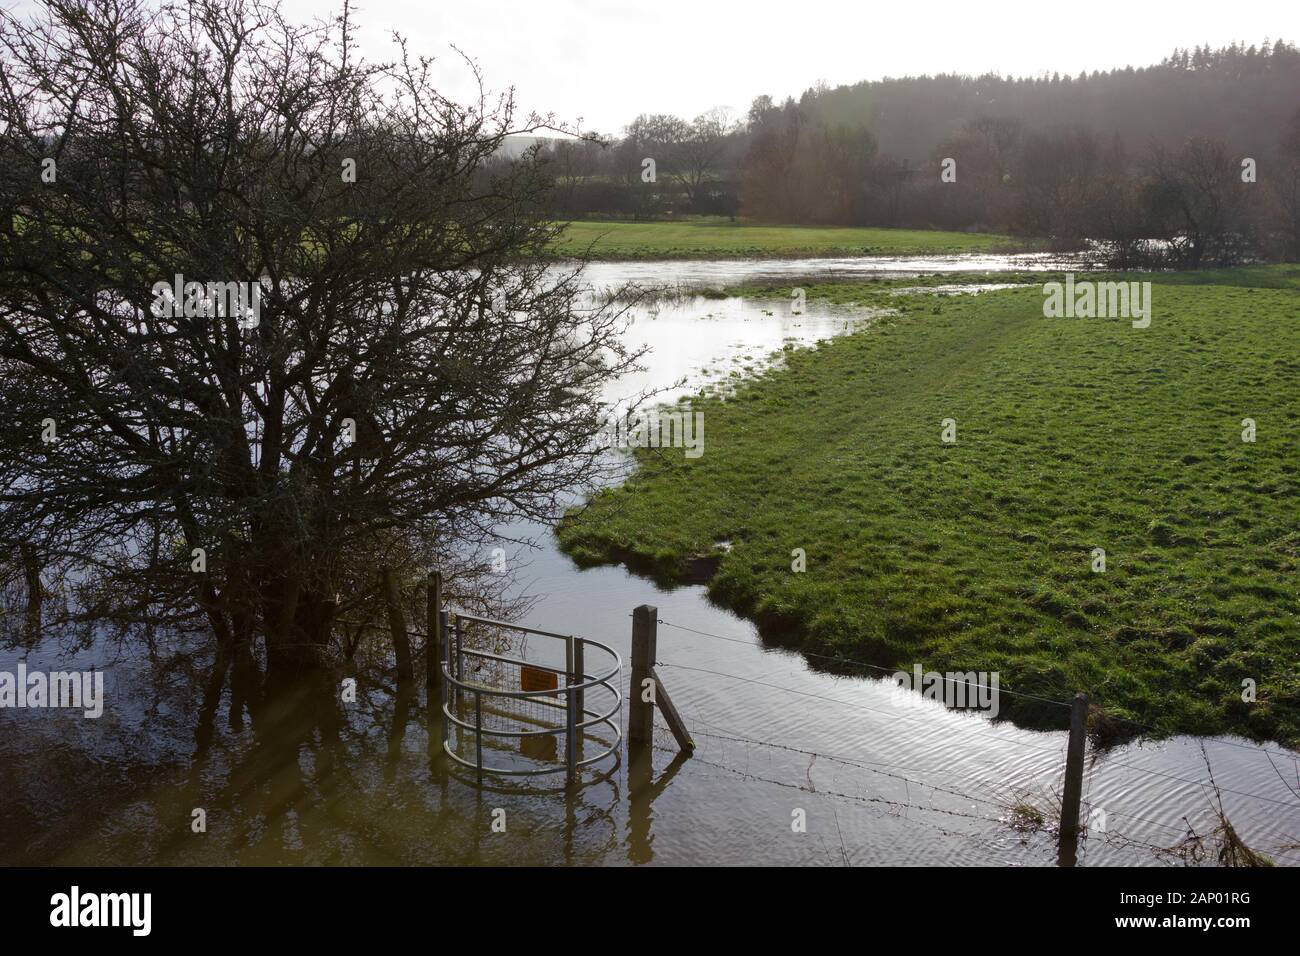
point(397, 627)
point(32, 572)
point(289, 652)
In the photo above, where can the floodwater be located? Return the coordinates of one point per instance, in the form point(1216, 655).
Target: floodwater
point(724, 272)
point(878, 774)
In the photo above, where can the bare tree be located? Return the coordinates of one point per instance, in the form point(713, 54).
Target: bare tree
point(697, 155)
point(985, 149)
point(770, 188)
point(1284, 184)
point(1056, 178)
point(1115, 212)
point(575, 162)
point(1197, 203)
point(399, 373)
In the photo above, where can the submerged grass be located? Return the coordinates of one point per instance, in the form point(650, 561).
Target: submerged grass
point(1072, 434)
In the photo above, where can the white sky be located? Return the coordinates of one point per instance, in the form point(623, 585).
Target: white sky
point(605, 62)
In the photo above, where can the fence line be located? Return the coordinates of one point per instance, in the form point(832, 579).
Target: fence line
point(1074, 769)
point(871, 767)
point(853, 663)
point(645, 664)
point(1110, 836)
point(1019, 743)
point(1164, 731)
point(843, 703)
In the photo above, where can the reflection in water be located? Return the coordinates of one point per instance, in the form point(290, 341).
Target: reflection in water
point(303, 777)
point(643, 790)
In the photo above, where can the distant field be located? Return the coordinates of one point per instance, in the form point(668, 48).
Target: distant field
point(722, 239)
point(1072, 434)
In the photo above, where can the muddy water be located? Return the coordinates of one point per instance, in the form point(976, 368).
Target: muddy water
point(880, 775)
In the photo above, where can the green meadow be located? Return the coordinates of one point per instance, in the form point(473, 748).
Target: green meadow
point(1072, 435)
point(720, 238)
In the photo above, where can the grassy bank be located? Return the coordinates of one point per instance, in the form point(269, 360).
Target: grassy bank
point(1072, 434)
point(723, 239)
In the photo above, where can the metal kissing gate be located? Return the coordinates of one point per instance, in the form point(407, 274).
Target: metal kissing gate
point(506, 703)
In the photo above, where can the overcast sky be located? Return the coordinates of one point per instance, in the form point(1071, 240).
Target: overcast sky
point(608, 61)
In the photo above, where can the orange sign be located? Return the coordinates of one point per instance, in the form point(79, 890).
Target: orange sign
point(530, 678)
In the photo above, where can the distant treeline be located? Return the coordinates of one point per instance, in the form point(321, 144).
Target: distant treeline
point(1151, 160)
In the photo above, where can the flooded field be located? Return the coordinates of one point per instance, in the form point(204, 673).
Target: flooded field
point(881, 775)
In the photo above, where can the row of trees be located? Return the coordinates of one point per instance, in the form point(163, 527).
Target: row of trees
point(1196, 204)
point(694, 168)
point(1166, 190)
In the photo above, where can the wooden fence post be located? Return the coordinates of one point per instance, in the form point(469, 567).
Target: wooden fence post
point(672, 718)
point(397, 627)
point(433, 636)
point(641, 713)
point(1068, 839)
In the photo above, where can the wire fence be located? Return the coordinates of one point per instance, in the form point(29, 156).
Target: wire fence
point(1004, 802)
point(997, 804)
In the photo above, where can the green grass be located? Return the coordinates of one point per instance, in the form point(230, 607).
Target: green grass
point(710, 238)
point(1073, 434)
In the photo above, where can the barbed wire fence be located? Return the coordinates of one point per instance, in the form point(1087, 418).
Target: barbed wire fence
point(993, 803)
point(998, 805)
